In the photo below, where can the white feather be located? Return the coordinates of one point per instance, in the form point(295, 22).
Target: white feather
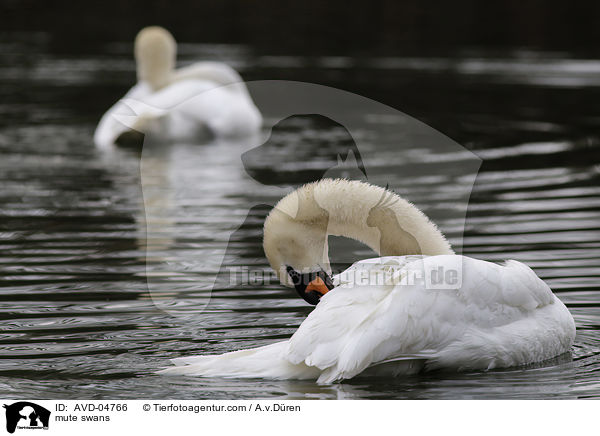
point(395, 314)
point(500, 316)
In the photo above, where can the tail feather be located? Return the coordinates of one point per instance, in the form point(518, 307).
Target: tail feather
point(262, 362)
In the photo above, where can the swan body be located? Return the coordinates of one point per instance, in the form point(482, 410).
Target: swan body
point(201, 100)
point(397, 314)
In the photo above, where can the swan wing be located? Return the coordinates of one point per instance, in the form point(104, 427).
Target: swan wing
point(186, 109)
point(117, 119)
point(492, 316)
point(216, 72)
point(217, 107)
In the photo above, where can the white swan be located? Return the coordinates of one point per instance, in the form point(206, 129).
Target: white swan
point(397, 314)
point(206, 98)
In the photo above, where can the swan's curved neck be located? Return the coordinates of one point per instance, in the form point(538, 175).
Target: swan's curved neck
point(296, 231)
point(156, 76)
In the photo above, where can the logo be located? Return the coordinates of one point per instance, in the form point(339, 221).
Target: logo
point(26, 415)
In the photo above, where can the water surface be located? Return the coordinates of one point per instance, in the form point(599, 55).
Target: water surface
point(77, 318)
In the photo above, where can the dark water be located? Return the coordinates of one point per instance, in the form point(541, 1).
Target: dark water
point(80, 249)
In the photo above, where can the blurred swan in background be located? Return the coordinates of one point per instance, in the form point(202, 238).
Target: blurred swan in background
point(198, 101)
point(422, 307)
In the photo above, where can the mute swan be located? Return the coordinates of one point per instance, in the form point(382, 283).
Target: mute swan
point(206, 98)
point(421, 307)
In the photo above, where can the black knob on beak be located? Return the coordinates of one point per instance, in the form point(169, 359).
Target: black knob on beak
point(310, 286)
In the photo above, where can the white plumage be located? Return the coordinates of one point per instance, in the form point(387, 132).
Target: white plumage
point(395, 315)
point(202, 100)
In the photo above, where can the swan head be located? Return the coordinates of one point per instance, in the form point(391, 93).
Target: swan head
point(297, 252)
point(155, 51)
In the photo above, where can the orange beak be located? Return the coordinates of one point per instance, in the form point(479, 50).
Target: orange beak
point(317, 285)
